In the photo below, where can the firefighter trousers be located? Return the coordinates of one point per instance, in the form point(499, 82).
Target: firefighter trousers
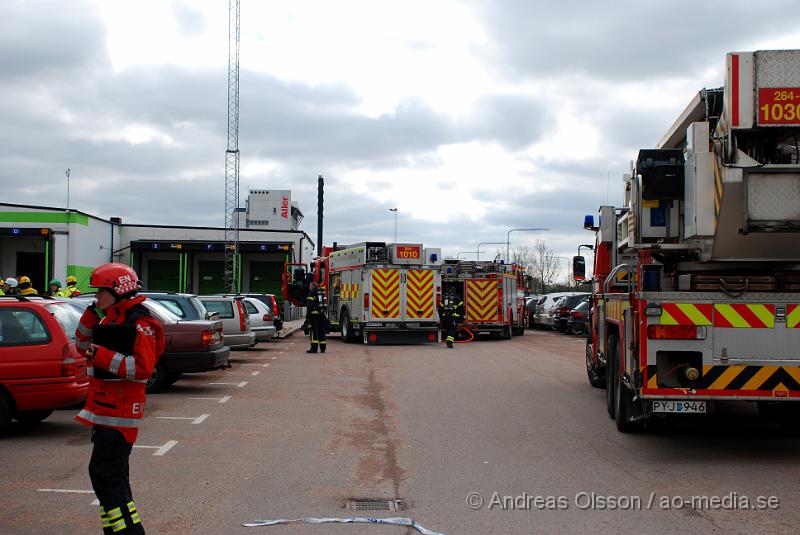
point(449, 325)
point(318, 332)
point(110, 475)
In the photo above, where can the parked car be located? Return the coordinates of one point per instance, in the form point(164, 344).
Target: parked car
point(543, 306)
point(185, 306)
point(192, 346)
point(530, 310)
point(271, 301)
point(235, 320)
point(40, 368)
point(560, 311)
point(578, 321)
point(260, 318)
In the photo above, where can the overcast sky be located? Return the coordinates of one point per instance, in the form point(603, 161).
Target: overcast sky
point(471, 117)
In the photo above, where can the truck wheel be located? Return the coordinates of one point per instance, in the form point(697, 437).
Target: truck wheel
point(624, 408)
point(5, 414)
point(611, 374)
point(158, 380)
point(596, 379)
point(32, 417)
point(346, 328)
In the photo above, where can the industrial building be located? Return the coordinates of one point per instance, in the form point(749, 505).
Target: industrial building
point(48, 242)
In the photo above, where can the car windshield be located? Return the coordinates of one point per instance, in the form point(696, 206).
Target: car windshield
point(583, 305)
point(225, 308)
point(161, 312)
point(67, 317)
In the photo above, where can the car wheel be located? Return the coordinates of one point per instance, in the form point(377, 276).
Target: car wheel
point(32, 417)
point(5, 414)
point(158, 380)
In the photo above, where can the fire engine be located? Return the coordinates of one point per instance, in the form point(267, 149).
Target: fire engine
point(493, 294)
point(696, 283)
point(375, 292)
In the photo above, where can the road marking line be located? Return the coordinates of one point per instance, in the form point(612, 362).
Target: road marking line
point(255, 372)
point(95, 502)
point(160, 450)
point(241, 385)
point(248, 364)
point(197, 419)
point(222, 383)
point(223, 399)
point(67, 491)
point(274, 358)
point(265, 365)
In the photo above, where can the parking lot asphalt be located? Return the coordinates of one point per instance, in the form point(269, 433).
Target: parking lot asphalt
point(480, 439)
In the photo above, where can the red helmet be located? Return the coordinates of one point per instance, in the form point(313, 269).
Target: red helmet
point(119, 278)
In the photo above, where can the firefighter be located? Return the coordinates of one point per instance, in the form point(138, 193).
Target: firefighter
point(55, 289)
point(3, 287)
point(72, 287)
point(10, 286)
point(316, 321)
point(25, 286)
point(121, 350)
point(451, 314)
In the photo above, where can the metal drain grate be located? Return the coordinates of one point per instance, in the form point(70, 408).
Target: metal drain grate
point(360, 504)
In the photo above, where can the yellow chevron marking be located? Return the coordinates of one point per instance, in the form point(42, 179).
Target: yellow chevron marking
point(726, 377)
point(731, 315)
point(758, 379)
point(763, 314)
point(693, 314)
point(794, 371)
point(666, 318)
point(652, 382)
point(793, 318)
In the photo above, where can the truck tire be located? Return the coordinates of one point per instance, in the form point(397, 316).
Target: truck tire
point(611, 374)
point(346, 327)
point(32, 417)
point(5, 413)
point(596, 378)
point(158, 381)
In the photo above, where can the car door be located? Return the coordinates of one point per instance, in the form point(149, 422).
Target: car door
point(26, 345)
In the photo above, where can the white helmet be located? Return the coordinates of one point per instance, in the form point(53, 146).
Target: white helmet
point(12, 282)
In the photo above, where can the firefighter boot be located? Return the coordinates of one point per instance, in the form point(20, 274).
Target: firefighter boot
point(313, 349)
point(322, 348)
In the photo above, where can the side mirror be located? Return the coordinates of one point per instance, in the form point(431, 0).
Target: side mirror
point(588, 222)
point(578, 268)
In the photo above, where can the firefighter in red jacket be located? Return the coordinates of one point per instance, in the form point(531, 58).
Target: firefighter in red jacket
point(122, 350)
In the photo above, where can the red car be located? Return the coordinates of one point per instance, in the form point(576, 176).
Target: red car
point(40, 369)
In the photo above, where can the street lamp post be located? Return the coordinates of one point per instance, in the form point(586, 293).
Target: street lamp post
point(508, 238)
point(486, 243)
point(395, 223)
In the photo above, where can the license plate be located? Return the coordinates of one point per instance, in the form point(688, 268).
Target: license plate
point(689, 407)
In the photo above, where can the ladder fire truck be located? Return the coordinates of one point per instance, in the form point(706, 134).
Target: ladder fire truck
point(375, 292)
point(493, 294)
point(696, 288)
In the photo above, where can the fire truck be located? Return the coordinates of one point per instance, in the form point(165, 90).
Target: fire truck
point(493, 294)
point(375, 292)
point(696, 281)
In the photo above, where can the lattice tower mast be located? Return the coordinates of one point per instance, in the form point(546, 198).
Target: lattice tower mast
point(232, 267)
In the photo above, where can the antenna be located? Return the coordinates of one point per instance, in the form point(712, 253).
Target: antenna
point(232, 267)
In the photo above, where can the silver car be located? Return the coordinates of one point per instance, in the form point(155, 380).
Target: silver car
point(260, 319)
point(235, 320)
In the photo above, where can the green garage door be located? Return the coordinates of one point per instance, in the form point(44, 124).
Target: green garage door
point(265, 277)
point(162, 275)
point(212, 277)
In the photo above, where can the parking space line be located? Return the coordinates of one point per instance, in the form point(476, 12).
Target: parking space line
point(160, 450)
point(223, 399)
point(196, 420)
point(67, 491)
point(255, 372)
point(265, 365)
point(274, 358)
point(238, 385)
